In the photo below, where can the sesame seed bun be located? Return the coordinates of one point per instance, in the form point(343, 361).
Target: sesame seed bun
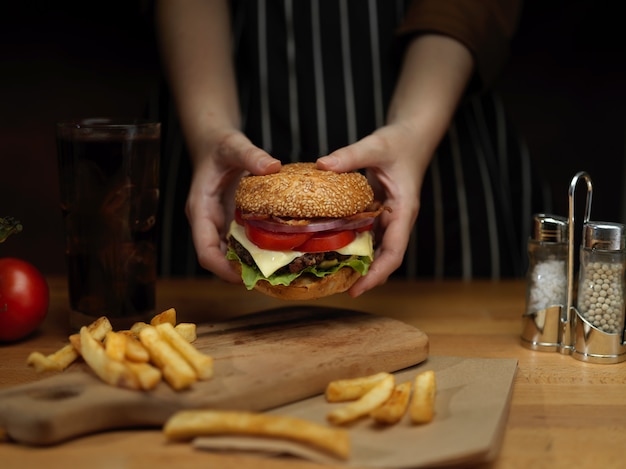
point(300, 190)
point(308, 287)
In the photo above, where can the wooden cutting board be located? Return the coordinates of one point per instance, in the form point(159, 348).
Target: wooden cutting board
point(262, 361)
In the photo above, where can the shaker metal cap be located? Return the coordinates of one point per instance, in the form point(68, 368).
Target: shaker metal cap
point(551, 228)
point(606, 236)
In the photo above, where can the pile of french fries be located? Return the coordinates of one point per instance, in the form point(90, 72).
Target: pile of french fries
point(138, 358)
point(144, 355)
point(376, 396)
point(379, 397)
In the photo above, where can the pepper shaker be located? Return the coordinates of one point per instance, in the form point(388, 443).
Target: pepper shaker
point(600, 303)
point(547, 282)
point(601, 281)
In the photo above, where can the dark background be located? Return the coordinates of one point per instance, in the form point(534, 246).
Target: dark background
point(564, 88)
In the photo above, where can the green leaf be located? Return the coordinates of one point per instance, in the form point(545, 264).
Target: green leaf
point(9, 226)
point(251, 274)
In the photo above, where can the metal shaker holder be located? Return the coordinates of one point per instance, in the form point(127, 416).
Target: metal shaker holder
point(587, 321)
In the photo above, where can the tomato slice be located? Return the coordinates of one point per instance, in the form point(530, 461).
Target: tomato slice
point(327, 241)
point(238, 218)
point(275, 241)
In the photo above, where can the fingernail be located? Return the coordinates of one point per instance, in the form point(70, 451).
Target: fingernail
point(268, 164)
point(329, 161)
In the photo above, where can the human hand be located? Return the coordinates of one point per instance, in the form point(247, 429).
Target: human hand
point(210, 202)
point(397, 155)
point(395, 163)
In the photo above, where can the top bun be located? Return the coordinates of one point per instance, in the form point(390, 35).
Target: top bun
point(300, 190)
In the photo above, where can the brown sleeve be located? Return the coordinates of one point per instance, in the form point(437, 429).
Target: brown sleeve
point(484, 26)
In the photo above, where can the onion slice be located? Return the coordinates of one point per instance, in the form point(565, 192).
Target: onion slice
point(308, 225)
point(326, 224)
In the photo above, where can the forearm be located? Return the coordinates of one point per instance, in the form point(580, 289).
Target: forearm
point(195, 43)
point(435, 74)
point(485, 27)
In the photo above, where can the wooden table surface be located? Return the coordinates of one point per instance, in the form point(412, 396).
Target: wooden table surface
point(564, 413)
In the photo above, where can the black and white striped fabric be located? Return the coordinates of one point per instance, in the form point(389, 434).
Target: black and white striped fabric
point(316, 75)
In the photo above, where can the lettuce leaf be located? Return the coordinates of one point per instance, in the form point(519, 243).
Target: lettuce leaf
point(251, 274)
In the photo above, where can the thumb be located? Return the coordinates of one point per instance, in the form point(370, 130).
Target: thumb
point(362, 154)
point(242, 153)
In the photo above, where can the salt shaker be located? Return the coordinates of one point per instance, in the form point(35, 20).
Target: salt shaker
point(547, 268)
point(547, 282)
point(601, 278)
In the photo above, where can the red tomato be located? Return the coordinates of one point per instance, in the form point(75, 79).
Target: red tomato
point(275, 241)
point(327, 241)
point(238, 218)
point(23, 299)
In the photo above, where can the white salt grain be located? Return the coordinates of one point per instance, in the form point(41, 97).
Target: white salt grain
point(549, 285)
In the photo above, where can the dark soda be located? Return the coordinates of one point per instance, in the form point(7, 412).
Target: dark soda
point(109, 197)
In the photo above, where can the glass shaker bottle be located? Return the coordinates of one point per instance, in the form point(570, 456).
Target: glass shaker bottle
point(601, 279)
point(547, 268)
point(547, 282)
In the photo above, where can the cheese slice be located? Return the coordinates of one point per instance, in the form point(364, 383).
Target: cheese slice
point(269, 262)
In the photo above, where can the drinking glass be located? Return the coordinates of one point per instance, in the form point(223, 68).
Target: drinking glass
point(109, 183)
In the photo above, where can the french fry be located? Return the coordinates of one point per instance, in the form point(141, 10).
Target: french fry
point(394, 408)
point(108, 370)
point(97, 329)
point(41, 362)
point(66, 355)
point(135, 351)
point(115, 345)
point(56, 361)
point(75, 342)
point(365, 404)
point(137, 327)
point(422, 405)
point(169, 315)
point(147, 375)
point(188, 424)
point(176, 371)
point(353, 388)
point(201, 363)
point(187, 330)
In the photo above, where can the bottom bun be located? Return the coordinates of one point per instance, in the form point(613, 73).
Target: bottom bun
point(309, 287)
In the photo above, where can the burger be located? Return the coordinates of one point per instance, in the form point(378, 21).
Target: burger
point(302, 233)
